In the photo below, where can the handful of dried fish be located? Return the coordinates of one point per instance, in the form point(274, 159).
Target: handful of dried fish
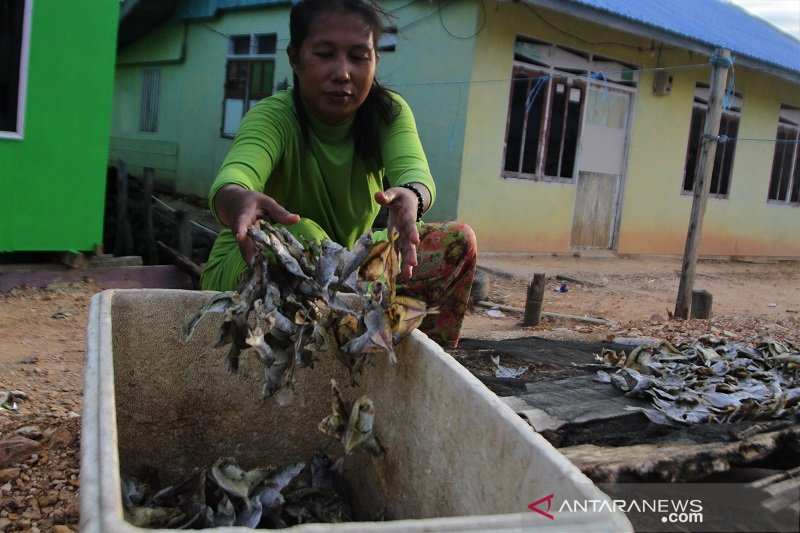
point(293, 302)
point(270, 497)
point(708, 380)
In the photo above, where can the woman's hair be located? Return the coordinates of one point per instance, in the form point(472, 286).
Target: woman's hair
point(378, 104)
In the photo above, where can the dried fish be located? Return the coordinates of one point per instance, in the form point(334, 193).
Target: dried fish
point(352, 425)
point(378, 334)
point(335, 424)
point(330, 259)
point(382, 261)
point(359, 428)
point(219, 303)
point(230, 496)
point(708, 380)
point(234, 480)
point(353, 259)
point(405, 315)
point(154, 517)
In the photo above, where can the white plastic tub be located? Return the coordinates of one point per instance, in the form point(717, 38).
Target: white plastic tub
point(458, 458)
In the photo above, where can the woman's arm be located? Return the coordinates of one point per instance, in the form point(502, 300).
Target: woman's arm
point(405, 164)
point(236, 197)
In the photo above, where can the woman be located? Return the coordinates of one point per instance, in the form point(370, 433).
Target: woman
point(314, 158)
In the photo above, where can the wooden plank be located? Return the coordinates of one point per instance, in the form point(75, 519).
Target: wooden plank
point(74, 259)
point(183, 226)
point(180, 260)
point(137, 160)
point(148, 146)
point(129, 277)
point(151, 251)
point(671, 462)
point(123, 239)
point(595, 204)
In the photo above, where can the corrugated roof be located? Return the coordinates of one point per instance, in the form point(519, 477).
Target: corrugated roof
point(713, 23)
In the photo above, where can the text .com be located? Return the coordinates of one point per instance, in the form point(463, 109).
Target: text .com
point(683, 518)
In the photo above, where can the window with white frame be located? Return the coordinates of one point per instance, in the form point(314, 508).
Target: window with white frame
point(726, 147)
point(784, 182)
point(249, 76)
point(13, 48)
point(547, 103)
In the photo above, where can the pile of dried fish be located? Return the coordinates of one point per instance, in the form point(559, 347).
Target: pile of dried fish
point(293, 302)
point(229, 496)
point(708, 380)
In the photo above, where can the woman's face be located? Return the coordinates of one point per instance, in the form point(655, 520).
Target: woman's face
point(335, 66)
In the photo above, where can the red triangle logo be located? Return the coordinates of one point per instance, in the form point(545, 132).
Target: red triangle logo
point(534, 506)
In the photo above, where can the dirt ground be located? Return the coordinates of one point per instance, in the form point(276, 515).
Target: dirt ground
point(634, 289)
point(43, 331)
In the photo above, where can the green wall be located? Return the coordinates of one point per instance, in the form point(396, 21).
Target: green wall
point(52, 181)
point(431, 69)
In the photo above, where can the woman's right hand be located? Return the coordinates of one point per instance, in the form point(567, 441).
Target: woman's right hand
point(239, 208)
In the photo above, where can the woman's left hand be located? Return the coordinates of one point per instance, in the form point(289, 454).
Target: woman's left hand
point(402, 205)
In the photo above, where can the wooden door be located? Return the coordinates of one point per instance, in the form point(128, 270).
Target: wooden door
point(603, 153)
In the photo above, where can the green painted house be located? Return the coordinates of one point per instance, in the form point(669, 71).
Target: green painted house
point(551, 126)
point(56, 91)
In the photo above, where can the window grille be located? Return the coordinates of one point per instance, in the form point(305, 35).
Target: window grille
point(784, 183)
point(547, 104)
point(725, 152)
point(151, 79)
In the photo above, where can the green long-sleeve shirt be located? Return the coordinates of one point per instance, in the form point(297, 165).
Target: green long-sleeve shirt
point(327, 184)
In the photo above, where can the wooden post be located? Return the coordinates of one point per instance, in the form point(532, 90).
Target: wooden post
point(701, 304)
point(151, 250)
point(184, 227)
point(533, 304)
point(702, 183)
point(123, 242)
point(181, 260)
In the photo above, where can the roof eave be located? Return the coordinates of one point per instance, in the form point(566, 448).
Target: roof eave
point(651, 32)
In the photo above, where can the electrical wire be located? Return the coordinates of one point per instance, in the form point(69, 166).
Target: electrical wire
point(725, 139)
point(563, 76)
point(451, 34)
point(587, 41)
